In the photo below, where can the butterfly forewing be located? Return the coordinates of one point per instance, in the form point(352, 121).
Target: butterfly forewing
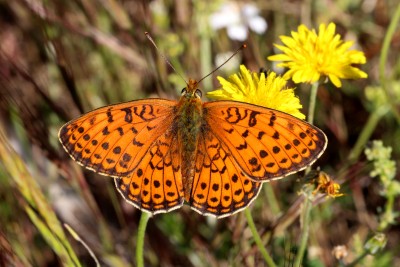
point(113, 140)
point(265, 143)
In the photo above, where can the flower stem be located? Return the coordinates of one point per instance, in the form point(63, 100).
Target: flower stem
point(383, 60)
point(307, 202)
point(358, 260)
point(366, 133)
point(257, 239)
point(144, 218)
point(205, 43)
point(305, 232)
point(271, 198)
point(313, 100)
point(387, 216)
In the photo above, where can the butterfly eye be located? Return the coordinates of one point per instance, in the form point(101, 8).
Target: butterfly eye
point(198, 93)
point(183, 92)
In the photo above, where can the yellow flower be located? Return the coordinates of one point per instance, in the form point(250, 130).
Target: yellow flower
point(256, 88)
point(309, 56)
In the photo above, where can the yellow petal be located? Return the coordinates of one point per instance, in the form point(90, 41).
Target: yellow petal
point(309, 55)
point(335, 80)
point(256, 88)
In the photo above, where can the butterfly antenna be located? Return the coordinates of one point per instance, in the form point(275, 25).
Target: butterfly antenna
point(163, 56)
point(234, 54)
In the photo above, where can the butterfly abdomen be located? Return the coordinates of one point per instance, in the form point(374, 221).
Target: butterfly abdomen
point(188, 124)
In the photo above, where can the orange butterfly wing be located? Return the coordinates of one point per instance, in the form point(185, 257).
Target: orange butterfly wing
point(220, 188)
point(136, 143)
point(267, 144)
point(242, 145)
point(112, 140)
point(156, 183)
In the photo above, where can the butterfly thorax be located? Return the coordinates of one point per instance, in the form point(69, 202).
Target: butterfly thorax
point(188, 124)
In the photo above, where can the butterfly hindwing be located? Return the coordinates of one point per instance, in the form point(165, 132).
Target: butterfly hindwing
point(220, 188)
point(112, 140)
point(156, 183)
point(267, 144)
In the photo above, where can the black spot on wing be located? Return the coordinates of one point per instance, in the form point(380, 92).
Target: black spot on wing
point(128, 115)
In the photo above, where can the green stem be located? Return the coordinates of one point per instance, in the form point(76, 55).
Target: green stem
point(307, 202)
point(366, 133)
point(305, 232)
point(313, 100)
point(387, 215)
point(356, 261)
point(116, 205)
point(257, 239)
point(205, 45)
point(205, 61)
point(144, 218)
point(271, 198)
point(383, 59)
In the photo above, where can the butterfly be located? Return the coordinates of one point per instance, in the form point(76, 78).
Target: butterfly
point(213, 155)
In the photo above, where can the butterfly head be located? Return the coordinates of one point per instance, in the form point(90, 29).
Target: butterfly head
point(191, 91)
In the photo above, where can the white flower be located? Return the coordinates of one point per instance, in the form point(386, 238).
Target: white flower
point(237, 18)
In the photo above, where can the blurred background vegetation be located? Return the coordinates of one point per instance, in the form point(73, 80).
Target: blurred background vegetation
point(59, 59)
